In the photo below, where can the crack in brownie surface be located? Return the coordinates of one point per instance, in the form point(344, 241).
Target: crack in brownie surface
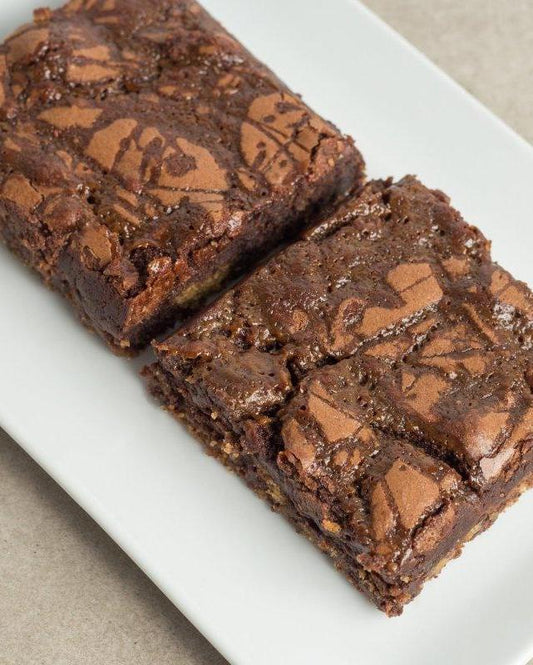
point(373, 381)
point(145, 155)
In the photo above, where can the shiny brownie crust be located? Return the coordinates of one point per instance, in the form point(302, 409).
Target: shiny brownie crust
point(145, 156)
point(373, 381)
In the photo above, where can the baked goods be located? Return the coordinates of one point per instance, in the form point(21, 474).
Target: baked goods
point(145, 155)
point(373, 381)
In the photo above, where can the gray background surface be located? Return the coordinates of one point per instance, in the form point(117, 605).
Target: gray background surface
point(68, 594)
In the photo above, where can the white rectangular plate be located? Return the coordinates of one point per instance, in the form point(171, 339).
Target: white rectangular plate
point(258, 591)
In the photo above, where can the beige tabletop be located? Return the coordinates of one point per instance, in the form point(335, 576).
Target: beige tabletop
point(68, 594)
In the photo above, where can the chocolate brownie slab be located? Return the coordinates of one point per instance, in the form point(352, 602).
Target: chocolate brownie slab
point(373, 381)
point(145, 155)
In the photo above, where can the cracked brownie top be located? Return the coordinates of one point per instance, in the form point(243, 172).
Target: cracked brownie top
point(383, 364)
point(142, 136)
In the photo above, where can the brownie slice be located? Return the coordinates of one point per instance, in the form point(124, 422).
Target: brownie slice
point(373, 381)
point(145, 156)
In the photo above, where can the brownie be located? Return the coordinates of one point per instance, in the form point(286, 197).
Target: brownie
point(373, 381)
point(145, 156)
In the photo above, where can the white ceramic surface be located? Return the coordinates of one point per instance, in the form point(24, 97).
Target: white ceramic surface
point(257, 590)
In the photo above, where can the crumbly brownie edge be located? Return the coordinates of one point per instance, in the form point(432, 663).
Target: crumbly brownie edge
point(275, 223)
point(223, 444)
point(101, 308)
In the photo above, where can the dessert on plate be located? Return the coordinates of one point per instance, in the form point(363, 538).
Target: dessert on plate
point(146, 156)
point(373, 381)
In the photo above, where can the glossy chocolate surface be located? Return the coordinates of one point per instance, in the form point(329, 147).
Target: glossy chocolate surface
point(379, 372)
point(145, 155)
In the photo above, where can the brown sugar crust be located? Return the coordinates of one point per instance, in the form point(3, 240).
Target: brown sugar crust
point(373, 381)
point(145, 156)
